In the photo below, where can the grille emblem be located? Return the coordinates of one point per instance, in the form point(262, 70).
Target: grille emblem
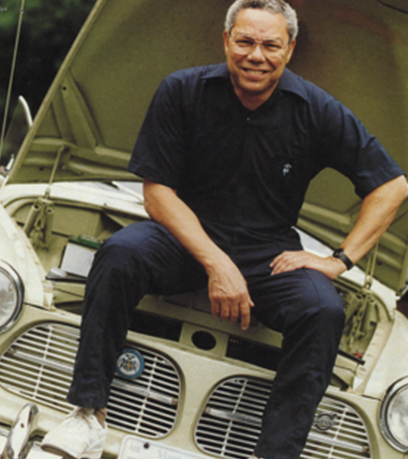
point(324, 421)
point(130, 364)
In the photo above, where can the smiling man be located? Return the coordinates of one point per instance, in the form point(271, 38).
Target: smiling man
point(257, 53)
point(227, 152)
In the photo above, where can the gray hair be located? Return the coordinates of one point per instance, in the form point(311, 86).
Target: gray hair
point(274, 6)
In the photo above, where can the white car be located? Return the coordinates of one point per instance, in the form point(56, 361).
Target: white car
point(198, 385)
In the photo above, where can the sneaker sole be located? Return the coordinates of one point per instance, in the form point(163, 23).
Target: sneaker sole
point(66, 455)
point(59, 452)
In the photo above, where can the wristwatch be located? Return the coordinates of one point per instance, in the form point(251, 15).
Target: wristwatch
point(339, 253)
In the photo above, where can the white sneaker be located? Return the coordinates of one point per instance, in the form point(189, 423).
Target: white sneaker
point(80, 435)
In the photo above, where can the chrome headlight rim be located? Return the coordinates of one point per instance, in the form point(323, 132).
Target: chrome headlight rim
point(8, 271)
point(393, 391)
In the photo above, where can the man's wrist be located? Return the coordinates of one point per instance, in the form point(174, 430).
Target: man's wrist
point(339, 253)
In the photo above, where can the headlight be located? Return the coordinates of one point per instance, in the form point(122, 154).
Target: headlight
point(394, 415)
point(11, 296)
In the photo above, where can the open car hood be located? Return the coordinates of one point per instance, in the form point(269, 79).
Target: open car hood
point(89, 121)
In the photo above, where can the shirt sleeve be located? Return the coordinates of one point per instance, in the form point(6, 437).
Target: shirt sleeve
point(159, 152)
point(349, 148)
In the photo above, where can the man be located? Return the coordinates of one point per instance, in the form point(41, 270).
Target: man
point(226, 153)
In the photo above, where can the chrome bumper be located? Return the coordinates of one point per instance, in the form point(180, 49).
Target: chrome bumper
point(16, 443)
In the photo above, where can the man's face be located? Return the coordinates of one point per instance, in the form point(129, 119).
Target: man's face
point(255, 73)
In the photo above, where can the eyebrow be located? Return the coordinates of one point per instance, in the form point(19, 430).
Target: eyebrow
point(244, 35)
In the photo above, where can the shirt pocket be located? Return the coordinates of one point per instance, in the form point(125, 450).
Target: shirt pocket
point(285, 179)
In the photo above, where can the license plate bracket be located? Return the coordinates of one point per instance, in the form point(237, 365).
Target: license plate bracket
point(135, 448)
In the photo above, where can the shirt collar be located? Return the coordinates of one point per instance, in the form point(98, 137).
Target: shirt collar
point(217, 71)
point(289, 81)
point(293, 83)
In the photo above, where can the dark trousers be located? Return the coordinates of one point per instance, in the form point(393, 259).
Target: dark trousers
point(303, 305)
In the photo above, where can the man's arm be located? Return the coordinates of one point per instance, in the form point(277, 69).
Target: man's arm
point(228, 292)
point(377, 211)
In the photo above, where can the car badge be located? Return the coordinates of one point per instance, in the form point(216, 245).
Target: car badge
point(130, 364)
point(324, 421)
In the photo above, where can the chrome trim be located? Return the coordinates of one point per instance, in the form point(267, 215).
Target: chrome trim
point(46, 362)
point(318, 438)
point(392, 391)
point(230, 423)
point(38, 365)
point(144, 393)
point(233, 416)
point(15, 278)
point(257, 421)
point(17, 445)
point(52, 364)
point(27, 112)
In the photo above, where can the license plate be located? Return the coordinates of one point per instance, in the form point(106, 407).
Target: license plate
point(134, 448)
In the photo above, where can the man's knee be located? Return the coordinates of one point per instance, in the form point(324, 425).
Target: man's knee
point(125, 249)
point(330, 306)
point(118, 277)
point(320, 304)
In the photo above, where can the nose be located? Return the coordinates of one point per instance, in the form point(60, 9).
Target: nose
point(257, 53)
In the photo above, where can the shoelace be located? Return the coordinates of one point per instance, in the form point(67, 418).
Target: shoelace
point(83, 413)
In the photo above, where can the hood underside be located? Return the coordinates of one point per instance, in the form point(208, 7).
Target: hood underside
point(89, 121)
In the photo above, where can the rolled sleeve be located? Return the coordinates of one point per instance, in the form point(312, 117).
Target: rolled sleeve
point(350, 149)
point(159, 152)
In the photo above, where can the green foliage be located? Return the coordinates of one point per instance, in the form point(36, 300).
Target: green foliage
point(49, 27)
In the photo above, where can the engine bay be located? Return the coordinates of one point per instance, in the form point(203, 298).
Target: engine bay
point(66, 233)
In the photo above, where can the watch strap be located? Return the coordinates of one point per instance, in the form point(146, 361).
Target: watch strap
point(339, 253)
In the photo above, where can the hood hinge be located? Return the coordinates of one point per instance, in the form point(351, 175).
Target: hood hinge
point(370, 268)
point(363, 314)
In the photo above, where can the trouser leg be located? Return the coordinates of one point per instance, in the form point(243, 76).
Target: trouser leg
point(305, 307)
point(142, 258)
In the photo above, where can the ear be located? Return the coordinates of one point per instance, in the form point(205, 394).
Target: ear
point(226, 40)
point(290, 51)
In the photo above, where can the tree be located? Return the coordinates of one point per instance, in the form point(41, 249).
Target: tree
point(48, 29)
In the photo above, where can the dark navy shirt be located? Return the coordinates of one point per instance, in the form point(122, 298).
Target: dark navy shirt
point(252, 168)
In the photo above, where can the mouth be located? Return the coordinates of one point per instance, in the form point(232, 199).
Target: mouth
point(257, 73)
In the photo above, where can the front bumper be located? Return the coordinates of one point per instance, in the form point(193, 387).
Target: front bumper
point(196, 422)
point(16, 443)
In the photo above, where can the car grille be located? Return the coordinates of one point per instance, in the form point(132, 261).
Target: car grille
point(39, 365)
point(231, 422)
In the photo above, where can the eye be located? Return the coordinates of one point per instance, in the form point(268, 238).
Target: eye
point(271, 46)
point(244, 42)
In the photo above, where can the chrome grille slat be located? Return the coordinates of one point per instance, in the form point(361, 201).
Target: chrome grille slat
point(152, 417)
point(39, 365)
point(43, 361)
point(155, 409)
point(9, 364)
point(230, 424)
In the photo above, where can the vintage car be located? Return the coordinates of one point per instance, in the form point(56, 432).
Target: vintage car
point(189, 386)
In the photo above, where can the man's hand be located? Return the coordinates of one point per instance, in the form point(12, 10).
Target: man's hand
point(377, 211)
point(290, 261)
point(228, 293)
point(227, 287)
